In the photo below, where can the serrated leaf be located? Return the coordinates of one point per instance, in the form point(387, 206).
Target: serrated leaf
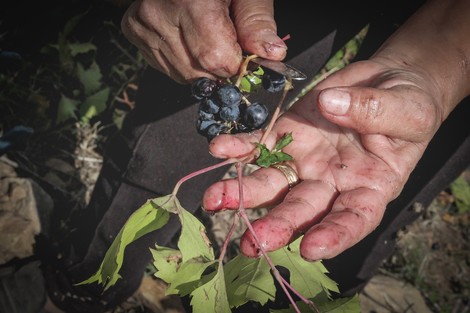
point(308, 278)
point(193, 242)
point(461, 192)
point(81, 47)
point(268, 157)
point(212, 296)
point(167, 261)
point(188, 277)
point(66, 109)
point(90, 78)
point(94, 105)
point(283, 142)
point(342, 305)
point(147, 218)
point(248, 279)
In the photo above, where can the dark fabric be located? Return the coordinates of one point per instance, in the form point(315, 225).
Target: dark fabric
point(159, 144)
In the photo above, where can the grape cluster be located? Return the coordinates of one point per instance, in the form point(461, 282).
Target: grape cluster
point(224, 110)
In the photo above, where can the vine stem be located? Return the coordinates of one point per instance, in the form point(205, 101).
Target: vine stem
point(201, 171)
point(244, 216)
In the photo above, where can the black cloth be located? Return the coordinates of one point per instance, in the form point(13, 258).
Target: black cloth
point(158, 145)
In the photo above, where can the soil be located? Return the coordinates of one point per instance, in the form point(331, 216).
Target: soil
point(429, 272)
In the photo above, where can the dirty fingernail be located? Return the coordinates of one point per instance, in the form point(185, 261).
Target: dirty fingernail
point(335, 101)
point(273, 45)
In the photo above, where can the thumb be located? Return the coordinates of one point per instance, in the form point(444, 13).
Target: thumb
point(400, 112)
point(256, 28)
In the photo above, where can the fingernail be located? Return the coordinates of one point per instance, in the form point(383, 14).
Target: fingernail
point(273, 44)
point(335, 101)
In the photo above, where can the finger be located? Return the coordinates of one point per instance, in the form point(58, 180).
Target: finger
point(379, 111)
point(303, 206)
point(354, 215)
point(256, 28)
point(211, 39)
point(265, 187)
point(238, 145)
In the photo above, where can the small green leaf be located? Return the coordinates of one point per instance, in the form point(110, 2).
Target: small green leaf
point(81, 47)
point(94, 105)
point(251, 81)
point(267, 158)
point(248, 279)
point(144, 220)
point(66, 109)
point(90, 78)
point(461, 192)
point(212, 296)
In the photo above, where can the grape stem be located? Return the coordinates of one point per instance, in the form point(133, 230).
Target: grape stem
point(242, 71)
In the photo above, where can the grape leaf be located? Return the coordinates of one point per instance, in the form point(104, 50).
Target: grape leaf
point(248, 279)
point(90, 77)
point(212, 296)
point(341, 305)
point(193, 242)
point(251, 81)
point(167, 261)
point(94, 104)
point(66, 109)
point(268, 157)
point(306, 277)
point(144, 220)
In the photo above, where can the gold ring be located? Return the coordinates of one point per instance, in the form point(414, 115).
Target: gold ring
point(289, 173)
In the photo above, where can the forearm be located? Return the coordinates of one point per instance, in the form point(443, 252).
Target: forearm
point(435, 41)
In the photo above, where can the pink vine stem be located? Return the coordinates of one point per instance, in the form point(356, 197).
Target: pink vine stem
point(244, 216)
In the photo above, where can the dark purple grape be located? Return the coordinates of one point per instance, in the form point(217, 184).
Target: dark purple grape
point(202, 126)
point(273, 82)
point(203, 87)
point(205, 116)
point(215, 129)
point(209, 105)
point(229, 95)
point(229, 113)
point(255, 116)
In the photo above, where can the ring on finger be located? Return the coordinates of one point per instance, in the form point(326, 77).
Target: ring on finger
point(290, 174)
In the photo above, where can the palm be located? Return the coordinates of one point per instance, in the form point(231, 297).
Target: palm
point(349, 173)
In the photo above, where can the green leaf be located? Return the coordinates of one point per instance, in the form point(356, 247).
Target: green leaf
point(66, 109)
point(144, 220)
point(193, 242)
point(248, 279)
point(342, 305)
point(251, 81)
point(81, 47)
point(90, 78)
point(461, 192)
point(267, 158)
point(308, 278)
point(188, 277)
point(94, 105)
point(167, 261)
point(212, 296)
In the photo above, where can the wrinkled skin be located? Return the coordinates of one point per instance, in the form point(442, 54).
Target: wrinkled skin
point(351, 165)
point(189, 39)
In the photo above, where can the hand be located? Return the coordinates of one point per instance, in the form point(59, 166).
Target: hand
point(353, 148)
point(190, 39)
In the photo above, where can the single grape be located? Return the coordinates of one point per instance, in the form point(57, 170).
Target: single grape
point(255, 116)
point(203, 115)
point(215, 129)
point(273, 82)
point(229, 95)
point(202, 126)
point(209, 105)
point(229, 113)
point(203, 87)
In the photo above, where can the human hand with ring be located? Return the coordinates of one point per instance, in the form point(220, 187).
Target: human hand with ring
point(357, 136)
